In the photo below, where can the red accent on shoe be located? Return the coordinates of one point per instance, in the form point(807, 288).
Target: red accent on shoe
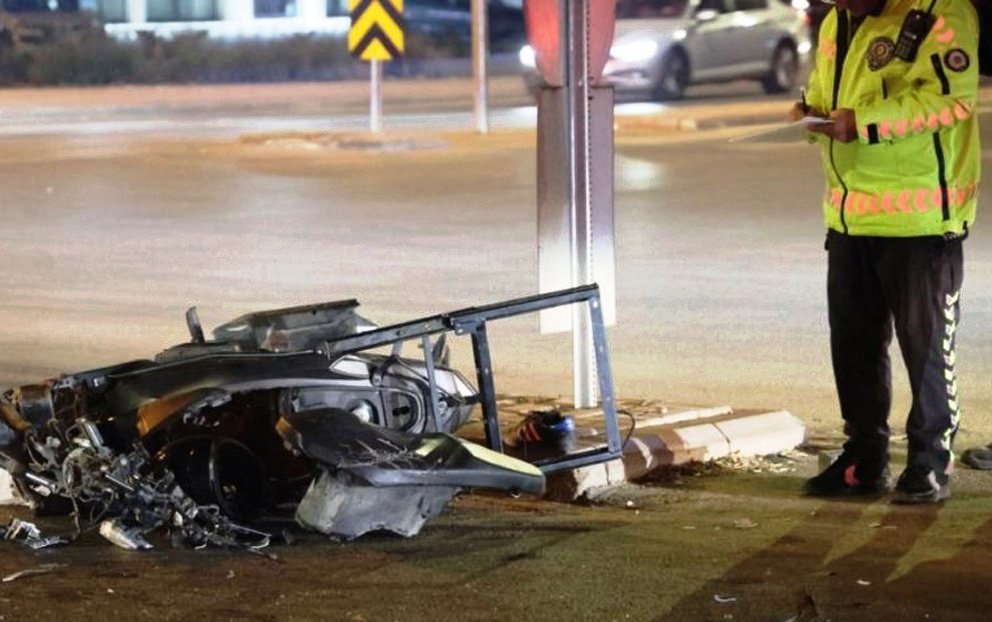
point(849, 477)
point(530, 433)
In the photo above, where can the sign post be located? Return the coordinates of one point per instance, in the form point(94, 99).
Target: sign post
point(376, 35)
point(571, 40)
point(375, 96)
point(480, 46)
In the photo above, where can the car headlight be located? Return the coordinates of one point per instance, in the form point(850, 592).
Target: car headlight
point(527, 57)
point(634, 51)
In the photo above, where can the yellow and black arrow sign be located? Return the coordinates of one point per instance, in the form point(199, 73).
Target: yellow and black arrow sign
point(376, 29)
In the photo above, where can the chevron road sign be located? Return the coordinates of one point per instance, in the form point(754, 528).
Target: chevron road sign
point(376, 29)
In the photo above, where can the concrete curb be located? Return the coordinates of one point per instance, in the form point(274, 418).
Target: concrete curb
point(689, 436)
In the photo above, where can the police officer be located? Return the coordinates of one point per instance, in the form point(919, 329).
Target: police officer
point(896, 82)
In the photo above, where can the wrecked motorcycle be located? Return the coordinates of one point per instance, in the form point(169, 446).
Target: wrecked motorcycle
point(290, 412)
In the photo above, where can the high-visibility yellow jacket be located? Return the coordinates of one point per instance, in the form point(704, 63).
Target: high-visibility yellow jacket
point(915, 168)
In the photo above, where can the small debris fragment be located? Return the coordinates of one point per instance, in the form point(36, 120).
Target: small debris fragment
point(29, 535)
point(30, 572)
point(630, 505)
point(863, 582)
point(745, 523)
point(689, 527)
point(266, 554)
point(724, 599)
point(230, 574)
point(784, 462)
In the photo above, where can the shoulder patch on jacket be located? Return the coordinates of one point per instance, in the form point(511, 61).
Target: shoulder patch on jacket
point(880, 53)
point(957, 60)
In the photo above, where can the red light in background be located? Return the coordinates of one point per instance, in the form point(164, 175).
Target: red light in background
point(541, 19)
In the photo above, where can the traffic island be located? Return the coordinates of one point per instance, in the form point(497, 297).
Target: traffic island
point(343, 141)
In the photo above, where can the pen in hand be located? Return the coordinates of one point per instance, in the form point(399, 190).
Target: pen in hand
point(802, 95)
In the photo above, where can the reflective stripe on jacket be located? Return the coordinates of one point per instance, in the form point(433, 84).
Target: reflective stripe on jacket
point(915, 168)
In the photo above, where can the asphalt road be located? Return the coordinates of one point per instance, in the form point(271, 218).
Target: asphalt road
point(110, 232)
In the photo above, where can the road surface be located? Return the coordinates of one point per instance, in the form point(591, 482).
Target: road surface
point(124, 206)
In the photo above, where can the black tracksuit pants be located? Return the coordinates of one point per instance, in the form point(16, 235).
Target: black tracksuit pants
point(913, 284)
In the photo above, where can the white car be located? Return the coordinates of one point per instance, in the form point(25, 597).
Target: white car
point(663, 46)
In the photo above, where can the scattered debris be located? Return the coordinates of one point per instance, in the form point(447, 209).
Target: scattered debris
point(862, 582)
point(675, 475)
point(724, 599)
point(881, 526)
point(745, 523)
point(783, 462)
point(29, 535)
point(31, 572)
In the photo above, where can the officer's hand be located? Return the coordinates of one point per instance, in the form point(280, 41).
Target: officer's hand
point(797, 112)
point(800, 111)
point(844, 127)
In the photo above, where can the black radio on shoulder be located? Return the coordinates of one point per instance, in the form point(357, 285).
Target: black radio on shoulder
point(914, 30)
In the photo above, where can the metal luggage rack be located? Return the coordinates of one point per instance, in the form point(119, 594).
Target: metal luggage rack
point(472, 321)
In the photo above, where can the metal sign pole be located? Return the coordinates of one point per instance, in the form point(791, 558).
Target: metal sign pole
point(576, 28)
point(480, 46)
point(375, 96)
point(575, 201)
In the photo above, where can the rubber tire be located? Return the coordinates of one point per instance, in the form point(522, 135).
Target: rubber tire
point(673, 77)
point(784, 70)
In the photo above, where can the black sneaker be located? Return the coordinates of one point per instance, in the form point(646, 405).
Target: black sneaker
point(919, 484)
point(544, 429)
point(840, 480)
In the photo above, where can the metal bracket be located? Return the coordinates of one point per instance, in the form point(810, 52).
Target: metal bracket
point(472, 321)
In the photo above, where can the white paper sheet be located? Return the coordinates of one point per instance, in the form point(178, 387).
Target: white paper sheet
point(793, 131)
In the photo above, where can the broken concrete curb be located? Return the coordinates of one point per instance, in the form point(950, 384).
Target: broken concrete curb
point(702, 435)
